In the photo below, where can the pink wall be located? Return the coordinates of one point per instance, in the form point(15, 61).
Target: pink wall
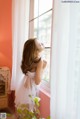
point(6, 33)
point(44, 104)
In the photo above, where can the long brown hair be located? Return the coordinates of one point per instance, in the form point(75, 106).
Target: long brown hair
point(29, 57)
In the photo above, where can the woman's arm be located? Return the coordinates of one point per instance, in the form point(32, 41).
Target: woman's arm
point(38, 74)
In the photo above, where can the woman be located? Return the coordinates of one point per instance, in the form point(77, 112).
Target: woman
point(32, 66)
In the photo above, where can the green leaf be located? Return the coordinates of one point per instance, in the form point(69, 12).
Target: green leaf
point(19, 110)
point(48, 117)
point(36, 101)
point(37, 111)
point(8, 114)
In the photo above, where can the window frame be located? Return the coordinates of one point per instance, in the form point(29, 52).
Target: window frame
point(45, 86)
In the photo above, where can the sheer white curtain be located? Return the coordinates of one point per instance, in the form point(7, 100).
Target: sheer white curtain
point(20, 23)
point(65, 64)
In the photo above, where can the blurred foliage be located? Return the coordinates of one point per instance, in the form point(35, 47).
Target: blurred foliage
point(25, 113)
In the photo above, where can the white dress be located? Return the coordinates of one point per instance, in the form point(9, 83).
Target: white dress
point(25, 88)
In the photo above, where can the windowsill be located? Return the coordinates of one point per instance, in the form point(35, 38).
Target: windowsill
point(44, 88)
point(45, 92)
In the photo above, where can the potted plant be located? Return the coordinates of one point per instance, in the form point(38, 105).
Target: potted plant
point(25, 113)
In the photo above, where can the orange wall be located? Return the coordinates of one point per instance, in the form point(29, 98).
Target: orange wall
point(6, 33)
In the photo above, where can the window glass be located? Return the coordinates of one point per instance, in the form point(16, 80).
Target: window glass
point(45, 29)
point(44, 5)
point(33, 28)
point(47, 69)
point(36, 8)
point(40, 7)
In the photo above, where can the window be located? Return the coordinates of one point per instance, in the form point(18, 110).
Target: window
point(40, 26)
